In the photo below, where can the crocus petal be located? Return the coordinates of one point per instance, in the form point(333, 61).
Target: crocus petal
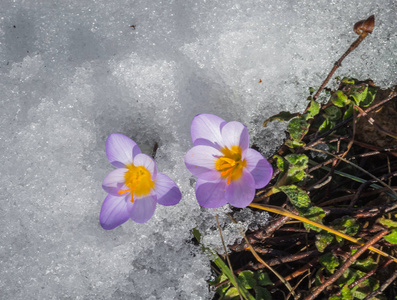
point(142, 209)
point(166, 190)
point(121, 150)
point(206, 130)
point(147, 162)
point(241, 192)
point(259, 168)
point(113, 212)
point(211, 194)
point(235, 134)
point(200, 161)
point(114, 181)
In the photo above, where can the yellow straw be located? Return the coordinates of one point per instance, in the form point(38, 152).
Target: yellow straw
point(284, 212)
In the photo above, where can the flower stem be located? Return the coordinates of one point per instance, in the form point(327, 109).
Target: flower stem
point(227, 257)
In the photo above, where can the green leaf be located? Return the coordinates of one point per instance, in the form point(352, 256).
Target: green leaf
point(330, 262)
point(312, 111)
point(323, 239)
point(281, 165)
point(339, 99)
point(326, 125)
point(315, 214)
point(358, 93)
point(333, 113)
point(347, 225)
point(348, 113)
point(346, 80)
point(282, 116)
point(392, 237)
point(319, 277)
point(298, 159)
point(222, 278)
point(293, 168)
point(388, 223)
point(294, 144)
point(221, 290)
point(349, 276)
point(365, 265)
point(262, 278)
point(232, 293)
point(262, 293)
point(367, 286)
point(247, 279)
point(370, 97)
point(301, 201)
point(197, 235)
point(298, 128)
point(219, 279)
point(346, 293)
point(297, 196)
point(297, 167)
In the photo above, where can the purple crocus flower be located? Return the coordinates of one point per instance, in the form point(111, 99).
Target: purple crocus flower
point(135, 187)
point(227, 170)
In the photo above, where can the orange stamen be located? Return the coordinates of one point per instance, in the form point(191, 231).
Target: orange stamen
point(230, 165)
point(138, 181)
point(125, 191)
point(229, 179)
point(227, 172)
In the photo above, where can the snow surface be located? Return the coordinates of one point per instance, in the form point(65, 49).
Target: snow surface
point(72, 72)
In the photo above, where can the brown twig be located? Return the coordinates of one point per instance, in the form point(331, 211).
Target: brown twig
point(275, 225)
point(359, 191)
point(261, 235)
point(327, 162)
point(383, 287)
point(376, 152)
point(302, 270)
point(348, 197)
point(345, 266)
point(369, 274)
point(363, 32)
point(367, 212)
point(291, 258)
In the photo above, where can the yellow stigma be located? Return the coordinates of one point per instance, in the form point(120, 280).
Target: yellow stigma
point(139, 181)
point(230, 165)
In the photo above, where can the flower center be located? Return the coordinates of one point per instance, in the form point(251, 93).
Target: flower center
point(230, 165)
point(139, 181)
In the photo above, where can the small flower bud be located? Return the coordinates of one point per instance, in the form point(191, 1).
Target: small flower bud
point(365, 25)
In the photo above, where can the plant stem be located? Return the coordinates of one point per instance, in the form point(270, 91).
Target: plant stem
point(346, 265)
